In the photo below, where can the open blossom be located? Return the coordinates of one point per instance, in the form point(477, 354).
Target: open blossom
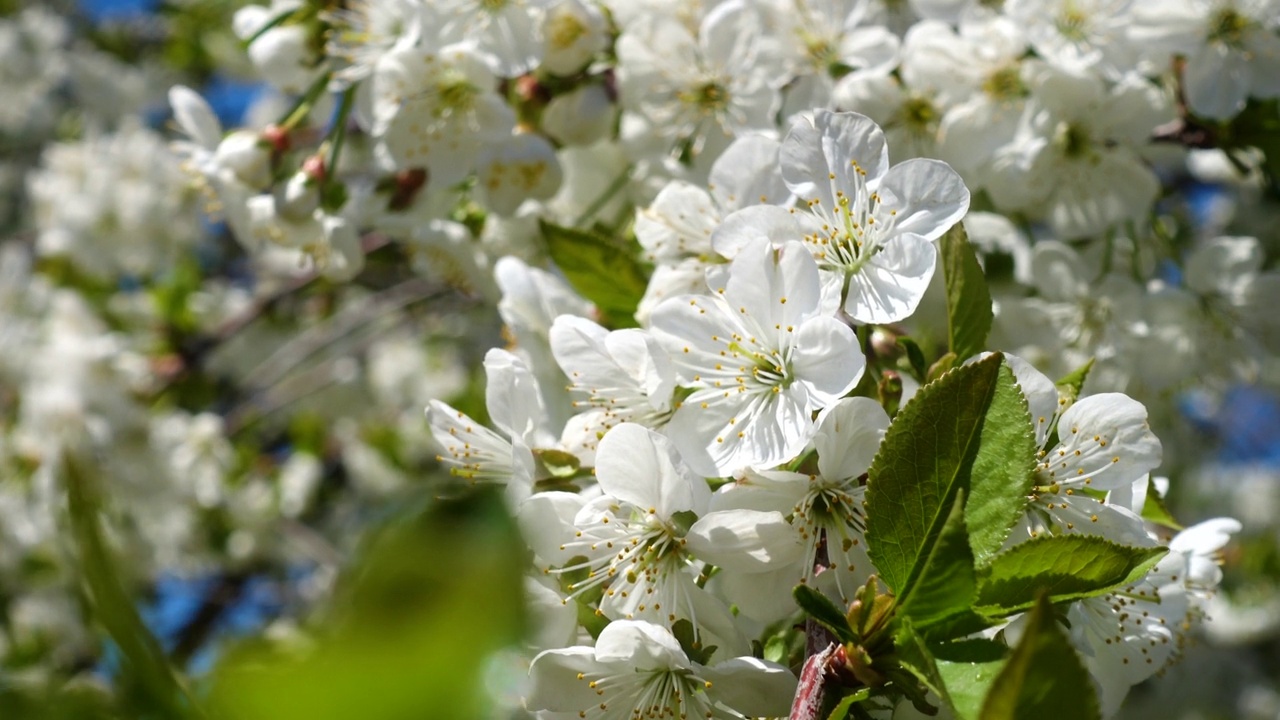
point(624, 374)
point(638, 669)
point(761, 357)
point(643, 541)
point(1128, 635)
point(698, 90)
point(869, 226)
point(825, 509)
point(1231, 48)
point(1103, 443)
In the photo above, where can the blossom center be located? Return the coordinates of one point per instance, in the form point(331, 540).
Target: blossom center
point(1005, 83)
point(1227, 26)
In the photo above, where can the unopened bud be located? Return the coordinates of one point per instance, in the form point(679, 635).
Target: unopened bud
point(277, 137)
point(889, 391)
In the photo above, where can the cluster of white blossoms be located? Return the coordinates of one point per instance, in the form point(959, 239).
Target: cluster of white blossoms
point(738, 387)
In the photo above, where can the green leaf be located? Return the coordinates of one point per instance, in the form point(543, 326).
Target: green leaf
point(968, 431)
point(948, 583)
point(969, 311)
point(688, 639)
point(915, 358)
point(1003, 471)
point(940, 367)
point(914, 655)
point(603, 271)
point(1044, 678)
point(1073, 382)
point(967, 669)
point(824, 612)
point(557, 463)
point(412, 631)
point(1155, 510)
point(1066, 567)
point(144, 660)
point(841, 710)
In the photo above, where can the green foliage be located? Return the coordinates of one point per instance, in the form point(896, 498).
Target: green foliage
point(842, 708)
point(603, 271)
point(688, 639)
point(969, 312)
point(1073, 382)
point(432, 598)
point(1257, 126)
point(1062, 567)
point(915, 358)
point(967, 669)
point(948, 583)
point(1044, 678)
point(824, 612)
point(146, 673)
point(1154, 509)
point(970, 432)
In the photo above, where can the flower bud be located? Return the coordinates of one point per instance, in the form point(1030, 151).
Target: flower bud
point(299, 197)
point(243, 153)
point(283, 56)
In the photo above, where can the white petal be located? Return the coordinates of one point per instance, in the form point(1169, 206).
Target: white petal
point(755, 688)
point(826, 144)
point(195, 117)
point(747, 173)
point(752, 224)
point(639, 466)
point(546, 522)
point(1216, 82)
point(512, 398)
point(848, 437)
point(642, 645)
point(1105, 437)
point(556, 686)
point(826, 358)
point(889, 287)
point(745, 540)
point(773, 287)
point(928, 196)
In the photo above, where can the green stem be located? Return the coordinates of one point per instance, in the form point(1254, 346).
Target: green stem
point(599, 203)
point(340, 130)
point(302, 108)
point(110, 601)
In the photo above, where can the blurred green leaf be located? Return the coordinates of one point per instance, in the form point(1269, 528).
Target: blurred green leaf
point(604, 272)
point(1065, 567)
point(1155, 510)
point(412, 630)
point(1044, 678)
point(145, 663)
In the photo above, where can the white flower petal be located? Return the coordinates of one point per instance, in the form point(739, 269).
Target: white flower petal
point(745, 540)
point(826, 358)
point(755, 688)
point(827, 144)
point(848, 437)
point(1106, 438)
point(639, 466)
point(890, 286)
point(927, 195)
